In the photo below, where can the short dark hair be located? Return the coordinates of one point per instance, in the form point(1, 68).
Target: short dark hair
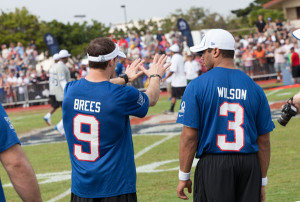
point(224, 53)
point(100, 46)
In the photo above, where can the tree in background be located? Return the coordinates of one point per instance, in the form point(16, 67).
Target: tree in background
point(22, 26)
point(249, 14)
point(18, 26)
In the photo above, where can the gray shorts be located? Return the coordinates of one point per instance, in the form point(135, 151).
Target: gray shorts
point(279, 66)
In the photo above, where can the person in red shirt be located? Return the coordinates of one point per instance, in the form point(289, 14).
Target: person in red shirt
point(123, 41)
point(295, 65)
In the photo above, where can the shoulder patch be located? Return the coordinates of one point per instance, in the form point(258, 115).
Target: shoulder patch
point(9, 123)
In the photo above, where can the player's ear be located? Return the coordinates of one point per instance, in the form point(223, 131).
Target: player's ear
point(111, 62)
point(216, 52)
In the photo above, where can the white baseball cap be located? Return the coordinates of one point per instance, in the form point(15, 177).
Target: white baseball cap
point(55, 57)
point(296, 34)
point(174, 48)
point(84, 62)
point(215, 38)
point(63, 54)
point(107, 57)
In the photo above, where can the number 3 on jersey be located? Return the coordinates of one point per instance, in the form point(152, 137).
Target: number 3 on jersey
point(235, 126)
point(92, 137)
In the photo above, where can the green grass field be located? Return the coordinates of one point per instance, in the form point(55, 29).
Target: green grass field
point(283, 175)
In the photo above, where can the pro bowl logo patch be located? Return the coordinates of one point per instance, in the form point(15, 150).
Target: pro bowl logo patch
point(9, 123)
point(141, 99)
point(182, 107)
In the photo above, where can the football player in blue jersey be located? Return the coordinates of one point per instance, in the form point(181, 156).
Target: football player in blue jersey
point(16, 163)
point(96, 114)
point(226, 122)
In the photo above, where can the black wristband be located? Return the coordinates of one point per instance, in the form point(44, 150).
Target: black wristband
point(125, 77)
point(155, 75)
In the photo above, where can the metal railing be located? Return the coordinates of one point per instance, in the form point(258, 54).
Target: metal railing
point(25, 94)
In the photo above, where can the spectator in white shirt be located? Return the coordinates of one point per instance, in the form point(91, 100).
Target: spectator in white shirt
point(279, 59)
point(191, 68)
point(178, 82)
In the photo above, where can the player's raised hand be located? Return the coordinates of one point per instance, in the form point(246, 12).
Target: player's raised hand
point(132, 70)
point(180, 189)
point(158, 66)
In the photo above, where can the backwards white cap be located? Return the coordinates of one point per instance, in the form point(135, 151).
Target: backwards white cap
point(107, 57)
point(296, 34)
point(215, 38)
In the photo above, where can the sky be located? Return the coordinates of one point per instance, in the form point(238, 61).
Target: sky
point(110, 11)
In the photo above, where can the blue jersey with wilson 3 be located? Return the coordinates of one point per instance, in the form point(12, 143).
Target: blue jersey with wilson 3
point(228, 109)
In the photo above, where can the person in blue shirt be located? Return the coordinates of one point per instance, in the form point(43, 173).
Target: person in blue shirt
point(16, 163)
point(226, 122)
point(96, 113)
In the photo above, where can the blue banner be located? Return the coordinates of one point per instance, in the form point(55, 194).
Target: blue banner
point(186, 31)
point(51, 43)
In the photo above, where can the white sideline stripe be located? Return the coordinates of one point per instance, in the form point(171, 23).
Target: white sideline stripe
point(60, 196)
point(152, 146)
point(272, 92)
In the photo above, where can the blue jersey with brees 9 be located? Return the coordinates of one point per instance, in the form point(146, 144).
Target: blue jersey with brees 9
point(97, 126)
point(8, 138)
point(228, 109)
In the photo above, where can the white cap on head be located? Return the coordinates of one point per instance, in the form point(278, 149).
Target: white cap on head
point(107, 57)
point(159, 29)
point(63, 54)
point(174, 48)
point(55, 57)
point(84, 62)
point(296, 34)
point(215, 38)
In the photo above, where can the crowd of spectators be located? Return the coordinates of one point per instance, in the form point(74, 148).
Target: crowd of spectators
point(260, 54)
point(17, 70)
point(268, 50)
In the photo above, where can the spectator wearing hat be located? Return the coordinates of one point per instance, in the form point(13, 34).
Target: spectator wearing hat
point(145, 52)
point(178, 82)
point(52, 83)
point(159, 35)
point(61, 77)
point(133, 52)
point(83, 72)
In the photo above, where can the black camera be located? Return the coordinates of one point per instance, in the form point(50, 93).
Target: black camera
point(288, 110)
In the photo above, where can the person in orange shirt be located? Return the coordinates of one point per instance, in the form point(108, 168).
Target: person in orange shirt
point(260, 55)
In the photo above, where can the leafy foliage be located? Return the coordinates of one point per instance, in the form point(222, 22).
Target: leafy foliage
point(18, 26)
point(22, 26)
point(257, 4)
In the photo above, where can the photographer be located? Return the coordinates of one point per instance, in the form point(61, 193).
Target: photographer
point(296, 101)
point(296, 98)
point(292, 107)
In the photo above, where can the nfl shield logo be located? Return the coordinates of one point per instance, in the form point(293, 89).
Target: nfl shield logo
point(102, 59)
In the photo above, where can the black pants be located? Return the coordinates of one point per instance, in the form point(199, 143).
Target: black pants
point(227, 178)
point(121, 198)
